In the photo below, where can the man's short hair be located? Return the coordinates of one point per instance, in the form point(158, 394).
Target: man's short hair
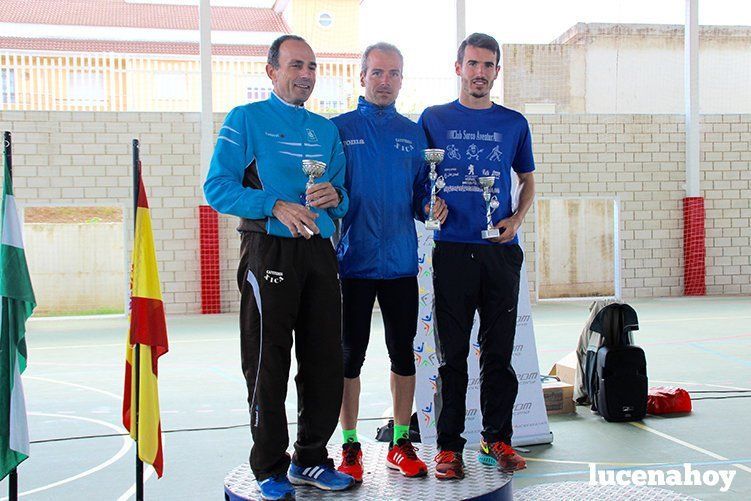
point(276, 45)
point(482, 41)
point(383, 47)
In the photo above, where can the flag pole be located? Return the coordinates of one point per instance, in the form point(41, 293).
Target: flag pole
point(7, 152)
point(136, 348)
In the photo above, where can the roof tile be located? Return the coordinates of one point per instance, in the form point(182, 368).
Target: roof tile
point(172, 48)
point(118, 13)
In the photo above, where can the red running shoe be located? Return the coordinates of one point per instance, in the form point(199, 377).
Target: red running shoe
point(352, 460)
point(403, 457)
point(502, 455)
point(449, 464)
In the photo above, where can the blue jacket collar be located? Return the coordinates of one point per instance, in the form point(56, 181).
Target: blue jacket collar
point(278, 101)
point(374, 111)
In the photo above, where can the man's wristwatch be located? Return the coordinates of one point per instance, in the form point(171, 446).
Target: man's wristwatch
point(340, 195)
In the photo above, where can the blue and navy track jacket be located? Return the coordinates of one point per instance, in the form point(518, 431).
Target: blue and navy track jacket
point(387, 182)
point(258, 160)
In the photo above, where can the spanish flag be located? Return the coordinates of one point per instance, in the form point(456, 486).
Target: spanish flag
point(148, 330)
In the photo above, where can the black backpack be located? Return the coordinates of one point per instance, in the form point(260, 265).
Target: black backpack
point(617, 380)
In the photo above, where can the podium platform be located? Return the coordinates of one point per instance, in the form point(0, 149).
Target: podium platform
point(481, 483)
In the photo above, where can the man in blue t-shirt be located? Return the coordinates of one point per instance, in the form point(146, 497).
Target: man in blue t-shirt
point(471, 273)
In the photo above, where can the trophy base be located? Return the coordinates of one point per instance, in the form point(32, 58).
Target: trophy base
point(432, 224)
point(491, 233)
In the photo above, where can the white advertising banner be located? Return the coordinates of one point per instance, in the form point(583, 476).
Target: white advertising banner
point(530, 419)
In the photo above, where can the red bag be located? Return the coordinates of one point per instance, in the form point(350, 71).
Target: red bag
point(668, 400)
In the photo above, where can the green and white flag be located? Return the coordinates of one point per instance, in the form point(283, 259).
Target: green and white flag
point(17, 305)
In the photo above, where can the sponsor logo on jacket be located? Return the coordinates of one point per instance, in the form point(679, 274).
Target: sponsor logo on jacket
point(402, 144)
point(353, 142)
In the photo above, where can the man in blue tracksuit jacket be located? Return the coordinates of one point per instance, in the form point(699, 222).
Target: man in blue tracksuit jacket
point(387, 182)
point(288, 270)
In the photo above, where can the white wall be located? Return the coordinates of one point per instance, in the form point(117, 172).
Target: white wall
point(624, 77)
point(76, 267)
point(633, 75)
point(84, 159)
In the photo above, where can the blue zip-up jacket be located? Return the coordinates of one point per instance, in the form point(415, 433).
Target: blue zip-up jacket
point(258, 160)
point(387, 182)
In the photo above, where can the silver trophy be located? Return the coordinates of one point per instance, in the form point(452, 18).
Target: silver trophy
point(434, 156)
point(491, 204)
point(313, 169)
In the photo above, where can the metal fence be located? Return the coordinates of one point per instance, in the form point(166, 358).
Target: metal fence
point(130, 82)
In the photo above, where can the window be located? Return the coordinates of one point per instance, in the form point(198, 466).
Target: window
point(257, 88)
point(330, 94)
point(325, 20)
point(7, 86)
point(86, 88)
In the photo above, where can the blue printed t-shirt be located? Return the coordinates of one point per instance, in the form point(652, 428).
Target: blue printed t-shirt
point(487, 142)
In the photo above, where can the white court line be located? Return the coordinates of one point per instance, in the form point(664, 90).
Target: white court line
point(75, 385)
point(69, 364)
point(132, 491)
point(107, 316)
point(703, 384)
point(689, 445)
point(127, 444)
point(43, 348)
point(608, 463)
point(109, 345)
point(650, 321)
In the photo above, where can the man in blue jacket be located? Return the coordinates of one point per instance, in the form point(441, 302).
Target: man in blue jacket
point(472, 273)
point(386, 179)
point(288, 270)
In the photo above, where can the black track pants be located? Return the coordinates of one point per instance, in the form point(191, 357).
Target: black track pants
point(290, 284)
point(466, 278)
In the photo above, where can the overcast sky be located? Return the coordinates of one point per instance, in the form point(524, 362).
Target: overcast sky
point(425, 30)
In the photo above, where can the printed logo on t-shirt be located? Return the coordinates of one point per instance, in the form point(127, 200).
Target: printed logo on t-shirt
point(311, 135)
point(473, 152)
point(495, 154)
point(473, 135)
point(402, 144)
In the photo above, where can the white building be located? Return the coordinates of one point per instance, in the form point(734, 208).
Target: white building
point(628, 68)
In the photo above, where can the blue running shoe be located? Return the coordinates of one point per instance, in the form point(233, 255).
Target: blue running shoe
point(324, 476)
point(276, 487)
